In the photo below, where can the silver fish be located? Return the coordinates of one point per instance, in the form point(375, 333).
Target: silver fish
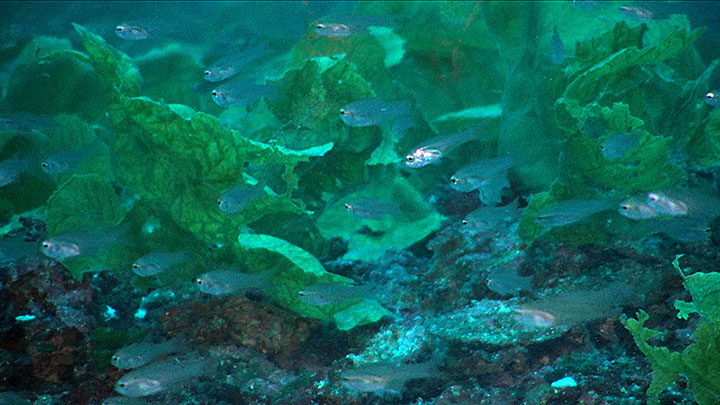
point(164, 374)
point(139, 354)
point(220, 282)
point(436, 148)
point(239, 197)
point(333, 293)
point(570, 211)
point(157, 262)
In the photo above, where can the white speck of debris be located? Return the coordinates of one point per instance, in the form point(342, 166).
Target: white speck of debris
point(24, 318)
point(140, 314)
point(109, 313)
point(565, 382)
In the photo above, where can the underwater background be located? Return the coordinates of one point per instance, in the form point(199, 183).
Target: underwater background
point(360, 202)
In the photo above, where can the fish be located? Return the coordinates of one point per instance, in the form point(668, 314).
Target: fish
point(237, 198)
point(333, 293)
point(635, 208)
point(664, 204)
point(374, 111)
point(488, 176)
point(132, 31)
point(157, 262)
point(480, 173)
point(24, 122)
point(164, 374)
point(14, 249)
point(236, 63)
point(712, 98)
point(367, 208)
point(124, 401)
point(220, 282)
point(85, 242)
point(436, 148)
point(66, 160)
point(618, 144)
point(534, 318)
point(334, 30)
point(507, 281)
point(384, 377)
point(345, 26)
point(240, 91)
point(683, 229)
point(557, 48)
point(11, 169)
point(637, 13)
point(139, 354)
point(570, 211)
point(488, 219)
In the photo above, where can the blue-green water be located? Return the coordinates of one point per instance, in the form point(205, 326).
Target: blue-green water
point(331, 203)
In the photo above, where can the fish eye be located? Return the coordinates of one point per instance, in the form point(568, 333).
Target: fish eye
point(344, 112)
point(320, 26)
point(625, 206)
point(135, 266)
point(122, 385)
point(410, 158)
point(348, 206)
point(465, 222)
point(199, 281)
point(115, 358)
point(220, 203)
point(653, 197)
point(208, 73)
point(710, 95)
point(454, 180)
point(215, 93)
point(44, 164)
point(120, 28)
point(46, 244)
point(302, 293)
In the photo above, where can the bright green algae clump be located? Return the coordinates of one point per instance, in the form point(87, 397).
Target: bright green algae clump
point(700, 361)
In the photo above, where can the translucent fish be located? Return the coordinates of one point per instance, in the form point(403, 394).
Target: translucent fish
point(15, 249)
point(132, 31)
point(139, 354)
point(164, 374)
point(487, 175)
point(370, 209)
point(557, 48)
point(240, 91)
point(507, 281)
point(345, 26)
point(570, 211)
point(637, 13)
point(488, 219)
point(157, 262)
point(219, 282)
point(11, 169)
point(682, 229)
point(24, 122)
point(664, 204)
point(66, 160)
point(384, 377)
point(434, 149)
point(712, 98)
point(86, 242)
point(333, 293)
point(374, 111)
point(123, 401)
point(534, 318)
point(617, 145)
point(239, 197)
point(635, 208)
point(236, 63)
